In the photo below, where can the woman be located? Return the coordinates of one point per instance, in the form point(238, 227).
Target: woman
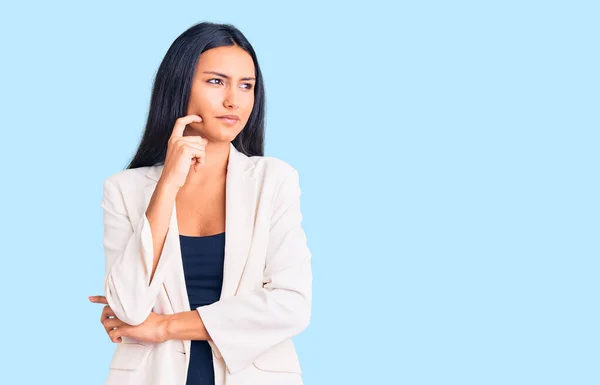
point(208, 269)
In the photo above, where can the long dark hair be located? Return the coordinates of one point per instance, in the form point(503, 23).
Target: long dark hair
point(173, 84)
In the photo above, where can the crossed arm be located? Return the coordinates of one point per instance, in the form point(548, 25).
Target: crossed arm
point(241, 327)
point(156, 328)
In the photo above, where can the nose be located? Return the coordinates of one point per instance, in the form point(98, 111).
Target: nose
point(230, 101)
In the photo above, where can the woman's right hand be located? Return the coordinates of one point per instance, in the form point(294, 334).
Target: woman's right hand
point(183, 152)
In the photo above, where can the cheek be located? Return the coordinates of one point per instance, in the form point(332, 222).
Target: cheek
point(204, 99)
point(249, 104)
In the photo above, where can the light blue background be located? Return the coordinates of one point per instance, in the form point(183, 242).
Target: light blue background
point(448, 156)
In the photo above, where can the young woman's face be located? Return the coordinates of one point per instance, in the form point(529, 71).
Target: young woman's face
point(223, 84)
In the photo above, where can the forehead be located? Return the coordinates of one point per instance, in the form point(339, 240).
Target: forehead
point(230, 60)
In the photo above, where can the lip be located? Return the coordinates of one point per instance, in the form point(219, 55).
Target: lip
point(229, 117)
point(230, 120)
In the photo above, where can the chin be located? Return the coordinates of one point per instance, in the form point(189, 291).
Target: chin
point(221, 136)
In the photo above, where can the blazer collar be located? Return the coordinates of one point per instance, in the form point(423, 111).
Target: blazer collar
point(241, 200)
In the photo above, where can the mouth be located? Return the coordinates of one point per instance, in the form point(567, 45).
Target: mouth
point(229, 119)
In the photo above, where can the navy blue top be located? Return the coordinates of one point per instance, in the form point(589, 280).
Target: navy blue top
point(202, 258)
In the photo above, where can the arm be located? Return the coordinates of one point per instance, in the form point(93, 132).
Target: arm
point(246, 325)
point(186, 325)
point(135, 265)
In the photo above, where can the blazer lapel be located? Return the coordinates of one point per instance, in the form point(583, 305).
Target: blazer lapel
point(240, 214)
point(240, 210)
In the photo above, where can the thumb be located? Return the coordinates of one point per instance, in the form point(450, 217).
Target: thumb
point(116, 334)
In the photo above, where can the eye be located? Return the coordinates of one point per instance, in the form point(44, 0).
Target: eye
point(248, 86)
point(210, 80)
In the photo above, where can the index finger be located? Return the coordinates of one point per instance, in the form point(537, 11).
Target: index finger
point(182, 122)
point(98, 299)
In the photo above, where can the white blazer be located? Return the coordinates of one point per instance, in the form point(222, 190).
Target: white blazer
point(267, 285)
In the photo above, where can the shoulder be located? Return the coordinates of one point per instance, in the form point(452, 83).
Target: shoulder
point(133, 177)
point(280, 176)
point(272, 168)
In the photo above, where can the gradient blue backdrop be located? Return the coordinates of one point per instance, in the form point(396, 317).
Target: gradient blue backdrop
point(448, 156)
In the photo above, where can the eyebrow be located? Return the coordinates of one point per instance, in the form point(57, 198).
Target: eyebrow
point(225, 76)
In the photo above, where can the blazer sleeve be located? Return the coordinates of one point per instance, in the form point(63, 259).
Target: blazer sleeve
point(246, 325)
point(129, 255)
